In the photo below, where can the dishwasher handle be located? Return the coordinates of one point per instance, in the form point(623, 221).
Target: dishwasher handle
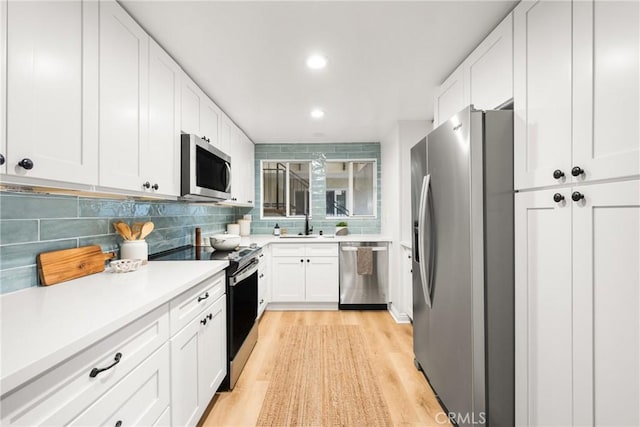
point(355, 248)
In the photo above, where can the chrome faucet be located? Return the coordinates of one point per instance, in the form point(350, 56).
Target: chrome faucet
point(307, 230)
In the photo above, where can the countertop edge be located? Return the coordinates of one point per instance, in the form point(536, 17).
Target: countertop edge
point(23, 375)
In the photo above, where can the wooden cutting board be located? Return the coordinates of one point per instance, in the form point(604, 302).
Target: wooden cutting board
point(60, 266)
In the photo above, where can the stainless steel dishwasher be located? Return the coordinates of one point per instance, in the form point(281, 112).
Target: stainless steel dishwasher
point(363, 291)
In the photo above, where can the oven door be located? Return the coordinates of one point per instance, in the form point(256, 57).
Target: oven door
point(243, 306)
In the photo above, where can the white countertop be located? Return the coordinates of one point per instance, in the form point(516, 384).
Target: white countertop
point(43, 326)
point(265, 239)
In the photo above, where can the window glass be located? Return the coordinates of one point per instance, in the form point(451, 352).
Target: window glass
point(298, 188)
point(273, 189)
point(363, 188)
point(337, 183)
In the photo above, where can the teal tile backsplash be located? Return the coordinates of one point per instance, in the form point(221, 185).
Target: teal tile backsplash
point(317, 153)
point(35, 223)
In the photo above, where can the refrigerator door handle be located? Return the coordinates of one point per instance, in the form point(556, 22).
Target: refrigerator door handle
point(424, 278)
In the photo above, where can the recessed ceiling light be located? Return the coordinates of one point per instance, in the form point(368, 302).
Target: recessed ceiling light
point(317, 113)
point(316, 62)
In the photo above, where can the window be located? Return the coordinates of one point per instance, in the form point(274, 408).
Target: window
point(351, 188)
point(285, 188)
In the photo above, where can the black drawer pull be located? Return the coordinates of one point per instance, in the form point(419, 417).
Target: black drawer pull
point(204, 321)
point(95, 371)
point(206, 295)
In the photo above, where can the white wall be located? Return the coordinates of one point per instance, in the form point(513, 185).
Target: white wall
point(396, 204)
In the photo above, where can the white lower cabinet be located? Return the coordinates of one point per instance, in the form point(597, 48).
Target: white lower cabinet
point(264, 279)
point(577, 298)
point(198, 363)
point(139, 399)
point(300, 275)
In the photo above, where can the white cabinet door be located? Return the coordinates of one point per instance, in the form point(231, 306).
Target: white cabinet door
point(322, 278)
point(124, 73)
point(407, 280)
point(450, 97)
point(191, 101)
point(185, 375)
point(606, 88)
point(213, 349)
point(606, 278)
point(53, 90)
point(248, 170)
point(161, 159)
point(139, 399)
point(543, 307)
point(288, 279)
point(210, 115)
point(489, 69)
point(3, 87)
point(542, 92)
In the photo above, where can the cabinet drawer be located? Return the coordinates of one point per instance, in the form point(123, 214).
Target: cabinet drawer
point(139, 399)
point(187, 305)
point(321, 249)
point(58, 396)
point(287, 249)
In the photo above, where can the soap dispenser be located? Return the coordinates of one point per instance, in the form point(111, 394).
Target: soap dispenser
point(276, 230)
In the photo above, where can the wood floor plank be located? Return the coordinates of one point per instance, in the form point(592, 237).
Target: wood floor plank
point(407, 394)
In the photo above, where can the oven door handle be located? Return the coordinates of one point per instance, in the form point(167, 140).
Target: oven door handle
point(244, 273)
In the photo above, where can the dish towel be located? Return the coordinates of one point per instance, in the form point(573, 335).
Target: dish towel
point(365, 261)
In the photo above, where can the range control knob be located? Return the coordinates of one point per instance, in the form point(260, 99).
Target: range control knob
point(26, 163)
point(577, 171)
point(558, 197)
point(576, 196)
point(557, 174)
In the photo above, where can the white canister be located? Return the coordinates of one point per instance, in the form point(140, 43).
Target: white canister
point(134, 249)
point(233, 229)
point(245, 227)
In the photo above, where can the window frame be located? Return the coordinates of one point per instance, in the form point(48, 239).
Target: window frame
point(287, 187)
point(349, 206)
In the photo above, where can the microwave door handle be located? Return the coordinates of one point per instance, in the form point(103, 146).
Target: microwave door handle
point(227, 169)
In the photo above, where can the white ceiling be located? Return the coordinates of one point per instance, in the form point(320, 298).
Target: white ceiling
point(385, 59)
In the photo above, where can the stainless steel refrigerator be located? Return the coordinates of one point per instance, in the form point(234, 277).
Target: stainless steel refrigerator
point(462, 218)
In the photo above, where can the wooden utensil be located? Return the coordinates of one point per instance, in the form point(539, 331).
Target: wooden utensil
point(146, 229)
point(124, 230)
point(60, 266)
point(136, 228)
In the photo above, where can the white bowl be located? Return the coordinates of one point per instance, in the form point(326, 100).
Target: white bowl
point(125, 265)
point(224, 242)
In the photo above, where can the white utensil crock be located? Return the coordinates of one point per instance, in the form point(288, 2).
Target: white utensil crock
point(134, 249)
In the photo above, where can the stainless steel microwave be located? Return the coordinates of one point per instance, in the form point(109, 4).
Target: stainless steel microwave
point(205, 171)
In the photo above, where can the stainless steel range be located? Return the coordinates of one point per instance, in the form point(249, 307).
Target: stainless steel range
point(242, 300)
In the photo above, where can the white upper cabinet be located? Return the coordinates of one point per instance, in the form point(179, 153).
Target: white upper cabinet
point(192, 99)
point(489, 69)
point(161, 153)
point(449, 97)
point(606, 89)
point(210, 115)
point(52, 102)
point(124, 74)
point(3, 86)
point(248, 166)
point(542, 92)
point(199, 115)
point(237, 145)
point(576, 91)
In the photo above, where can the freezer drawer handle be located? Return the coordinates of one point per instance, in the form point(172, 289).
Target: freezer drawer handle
point(95, 371)
point(355, 248)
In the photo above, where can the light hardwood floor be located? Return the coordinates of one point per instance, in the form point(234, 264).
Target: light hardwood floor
point(410, 399)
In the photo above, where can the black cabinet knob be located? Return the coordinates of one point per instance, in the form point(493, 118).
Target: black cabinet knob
point(308, 261)
point(558, 197)
point(301, 260)
point(1, 160)
point(119, 423)
point(576, 196)
point(155, 186)
point(26, 163)
point(577, 171)
point(146, 185)
point(204, 321)
point(557, 174)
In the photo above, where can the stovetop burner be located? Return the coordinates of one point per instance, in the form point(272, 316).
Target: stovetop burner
point(237, 258)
